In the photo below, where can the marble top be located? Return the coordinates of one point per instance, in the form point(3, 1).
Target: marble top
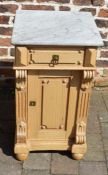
point(56, 28)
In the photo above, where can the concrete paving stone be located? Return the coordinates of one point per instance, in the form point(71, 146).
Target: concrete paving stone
point(105, 142)
point(94, 141)
point(7, 142)
point(95, 149)
point(95, 96)
point(10, 169)
point(35, 172)
point(93, 126)
point(93, 168)
point(101, 105)
point(107, 165)
point(8, 157)
point(103, 116)
point(7, 148)
point(95, 130)
point(104, 128)
point(92, 113)
point(102, 111)
point(93, 155)
point(62, 163)
point(7, 151)
point(106, 154)
point(105, 98)
point(38, 161)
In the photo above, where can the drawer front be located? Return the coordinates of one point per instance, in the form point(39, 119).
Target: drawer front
point(55, 57)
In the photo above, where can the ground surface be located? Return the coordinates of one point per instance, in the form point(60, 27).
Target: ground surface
point(95, 161)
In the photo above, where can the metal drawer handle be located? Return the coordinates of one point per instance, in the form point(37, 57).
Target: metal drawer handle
point(55, 58)
point(54, 61)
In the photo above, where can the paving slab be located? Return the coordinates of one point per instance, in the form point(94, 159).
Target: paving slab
point(8, 164)
point(102, 108)
point(8, 157)
point(93, 168)
point(35, 172)
point(105, 143)
point(10, 169)
point(104, 129)
point(94, 141)
point(38, 161)
point(62, 163)
point(105, 98)
point(103, 115)
point(93, 126)
point(94, 156)
point(106, 155)
point(107, 164)
point(95, 99)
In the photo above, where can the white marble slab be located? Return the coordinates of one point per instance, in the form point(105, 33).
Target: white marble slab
point(55, 28)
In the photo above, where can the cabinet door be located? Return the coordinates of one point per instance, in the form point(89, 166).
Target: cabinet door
point(50, 108)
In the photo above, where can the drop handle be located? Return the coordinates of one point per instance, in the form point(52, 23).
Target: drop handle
point(55, 59)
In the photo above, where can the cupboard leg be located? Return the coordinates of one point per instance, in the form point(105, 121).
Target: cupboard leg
point(77, 156)
point(78, 151)
point(21, 151)
point(21, 157)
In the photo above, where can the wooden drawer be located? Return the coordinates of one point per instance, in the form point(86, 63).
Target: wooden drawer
point(56, 57)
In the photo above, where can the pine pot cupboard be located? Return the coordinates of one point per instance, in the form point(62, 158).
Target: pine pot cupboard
point(55, 62)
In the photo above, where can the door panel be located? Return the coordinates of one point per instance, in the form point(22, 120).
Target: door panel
point(54, 102)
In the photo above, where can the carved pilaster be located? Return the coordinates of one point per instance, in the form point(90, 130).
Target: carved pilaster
point(79, 147)
point(21, 106)
point(84, 96)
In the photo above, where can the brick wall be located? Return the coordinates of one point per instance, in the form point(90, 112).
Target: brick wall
point(99, 9)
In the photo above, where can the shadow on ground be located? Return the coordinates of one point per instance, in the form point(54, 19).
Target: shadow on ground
point(7, 119)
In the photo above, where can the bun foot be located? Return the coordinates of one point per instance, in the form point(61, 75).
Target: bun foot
point(21, 156)
point(77, 156)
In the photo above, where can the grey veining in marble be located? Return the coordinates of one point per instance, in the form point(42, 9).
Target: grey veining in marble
point(55, 28)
